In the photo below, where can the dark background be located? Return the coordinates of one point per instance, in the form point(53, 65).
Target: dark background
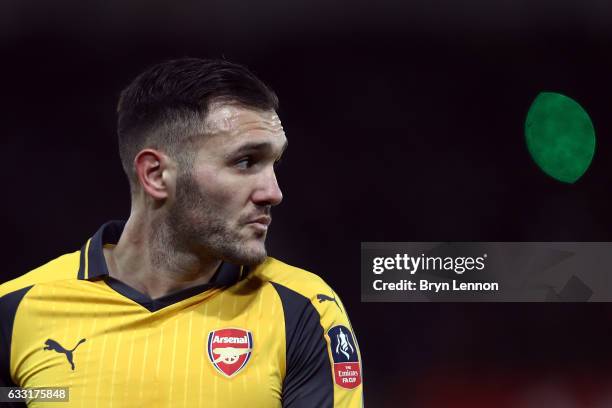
point(405, 121)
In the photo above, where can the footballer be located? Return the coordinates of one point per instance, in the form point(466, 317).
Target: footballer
point(180, 305)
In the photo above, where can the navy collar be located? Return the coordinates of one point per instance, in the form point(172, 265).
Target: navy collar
point(93, 264)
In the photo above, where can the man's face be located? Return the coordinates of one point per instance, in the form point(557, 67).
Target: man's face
point(223, 203)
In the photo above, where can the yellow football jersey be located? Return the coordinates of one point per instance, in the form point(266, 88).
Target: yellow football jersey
point(274, 336)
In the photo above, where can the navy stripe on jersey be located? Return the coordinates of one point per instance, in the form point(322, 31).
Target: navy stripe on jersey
point(81, 272)
point(153, 305)
point(308, 382)
point(108, 233)
point(8, 309)
point(226, 275)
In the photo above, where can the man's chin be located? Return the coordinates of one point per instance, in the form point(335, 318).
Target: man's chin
point(248, 255)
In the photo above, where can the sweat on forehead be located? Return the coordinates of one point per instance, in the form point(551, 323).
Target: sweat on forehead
point(226, 118)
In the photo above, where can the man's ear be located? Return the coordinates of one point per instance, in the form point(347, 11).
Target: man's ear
point(154, 169)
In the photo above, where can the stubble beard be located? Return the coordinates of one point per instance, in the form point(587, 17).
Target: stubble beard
point(195, 224)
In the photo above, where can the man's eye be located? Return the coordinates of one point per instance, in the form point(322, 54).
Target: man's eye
point(244, 163)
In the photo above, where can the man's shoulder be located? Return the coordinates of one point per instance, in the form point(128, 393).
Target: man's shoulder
point(61, 268)
point(296, 279)
point(296, 283)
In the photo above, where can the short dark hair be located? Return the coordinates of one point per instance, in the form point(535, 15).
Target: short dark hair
point(167, 104)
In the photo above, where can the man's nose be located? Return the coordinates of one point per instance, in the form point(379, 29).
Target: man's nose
point(268, 192)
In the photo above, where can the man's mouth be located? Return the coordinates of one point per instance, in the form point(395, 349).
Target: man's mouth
point(262, 221)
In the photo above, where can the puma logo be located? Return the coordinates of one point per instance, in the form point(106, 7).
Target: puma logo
point(323, 298)
point(51, 344)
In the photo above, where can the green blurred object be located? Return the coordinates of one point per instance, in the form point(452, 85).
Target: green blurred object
point(560, 136)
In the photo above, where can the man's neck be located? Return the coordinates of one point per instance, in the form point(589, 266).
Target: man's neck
point(149, 262)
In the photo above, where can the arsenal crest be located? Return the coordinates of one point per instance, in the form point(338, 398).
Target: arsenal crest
point(229, 350)
point(347, 368)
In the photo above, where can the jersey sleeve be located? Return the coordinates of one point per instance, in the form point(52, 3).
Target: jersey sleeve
point(323, 359)
point(8, 309)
